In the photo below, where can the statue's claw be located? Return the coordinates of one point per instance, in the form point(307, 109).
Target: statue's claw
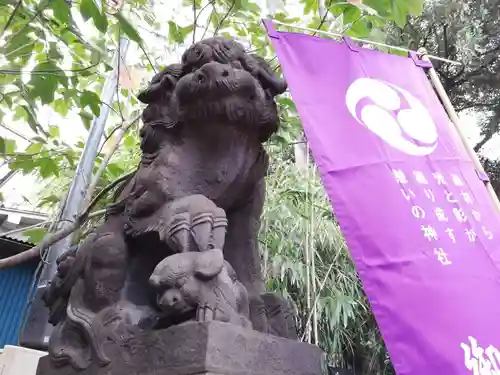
point(205, 313)
point(195, 224)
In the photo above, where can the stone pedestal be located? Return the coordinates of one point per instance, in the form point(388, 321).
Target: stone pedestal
point(213, 348)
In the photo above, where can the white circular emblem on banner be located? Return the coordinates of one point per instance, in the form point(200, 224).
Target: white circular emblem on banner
point(410, 130)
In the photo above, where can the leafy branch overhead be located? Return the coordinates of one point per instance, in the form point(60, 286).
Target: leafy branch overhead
point(47, 61)
point(64, 65)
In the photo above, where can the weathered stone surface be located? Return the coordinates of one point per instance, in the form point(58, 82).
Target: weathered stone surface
point(200, 348)
point(198, 192)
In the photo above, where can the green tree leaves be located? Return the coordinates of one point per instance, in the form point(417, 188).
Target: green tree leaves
point(35, 235)
point(45, 60)
point(48, 167)
point(26, 113)
point(89, 9)
point(45, 80)
point(92, 100)
point(178, 34)
point(128, 29)
point(7, 146)
point(61, 11)
point(396, 10)
point(19, 45)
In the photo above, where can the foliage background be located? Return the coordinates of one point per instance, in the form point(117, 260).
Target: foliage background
point(56, 54)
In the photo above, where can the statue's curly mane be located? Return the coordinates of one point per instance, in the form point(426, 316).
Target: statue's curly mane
point(164, 111)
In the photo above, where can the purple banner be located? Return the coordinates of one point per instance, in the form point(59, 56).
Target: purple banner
point(421, 228)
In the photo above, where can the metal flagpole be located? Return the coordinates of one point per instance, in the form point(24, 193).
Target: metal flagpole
point(37, 330)
point(456, 122)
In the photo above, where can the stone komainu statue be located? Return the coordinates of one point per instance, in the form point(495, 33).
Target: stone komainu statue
point(199, 187)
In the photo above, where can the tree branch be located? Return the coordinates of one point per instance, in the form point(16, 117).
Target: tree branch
point(459, 72)
point(483, 66)
point(214, 11)
point(481, 143)
point(11, 18)
point(48, 241)
point(470, 105)
point(118, 64)
point(36, 14)
point(225, 17)
point(18, 230)
point(210, 2)
point(53, 72)
point(52, 238)
point(426, 38)
point(445, 38)
point(147, 57)
point(194, 21)
point(104, 191)
point(323, 20)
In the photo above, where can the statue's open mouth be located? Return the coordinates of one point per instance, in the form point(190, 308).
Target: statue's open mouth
point(169, 319)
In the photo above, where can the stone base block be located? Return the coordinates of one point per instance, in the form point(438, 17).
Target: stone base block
point(202, 348)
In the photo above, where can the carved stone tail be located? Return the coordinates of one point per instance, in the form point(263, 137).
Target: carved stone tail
point(80, 322)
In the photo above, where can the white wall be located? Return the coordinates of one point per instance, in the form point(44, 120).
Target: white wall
point(15, 360)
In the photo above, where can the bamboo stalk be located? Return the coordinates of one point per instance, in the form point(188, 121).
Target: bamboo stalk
point(312, 250)
point(308, 258)
point(457, 124)
point(316, 298)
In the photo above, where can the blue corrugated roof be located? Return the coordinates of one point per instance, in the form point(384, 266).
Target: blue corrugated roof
point(15, 285)
point(15, 239)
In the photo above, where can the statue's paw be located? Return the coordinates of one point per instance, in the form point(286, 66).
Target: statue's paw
point(65, 262)
point(195, 223)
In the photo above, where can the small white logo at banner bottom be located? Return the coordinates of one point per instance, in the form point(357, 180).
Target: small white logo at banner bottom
point(410, 130)
point(481, 361)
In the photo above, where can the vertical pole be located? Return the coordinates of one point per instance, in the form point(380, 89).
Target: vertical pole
point(37, 330)
point(308, 255)
point(313, 263)
point(78, 188)
point(456, 122)
point(300, 154)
